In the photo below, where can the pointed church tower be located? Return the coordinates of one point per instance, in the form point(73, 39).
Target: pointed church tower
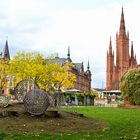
point(124, 61)
point(122, 24)
point(133, 61)
point(6, 53)
point(122, 47)
point(110, 65)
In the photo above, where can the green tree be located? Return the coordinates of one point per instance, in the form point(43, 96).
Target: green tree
point(130, 86)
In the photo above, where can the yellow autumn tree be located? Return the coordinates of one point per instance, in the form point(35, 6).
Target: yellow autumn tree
point(4, 72)
point(47, 75)
point(27, 65)
point(60, 77)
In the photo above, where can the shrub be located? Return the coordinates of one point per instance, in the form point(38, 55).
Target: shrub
point(130, 86)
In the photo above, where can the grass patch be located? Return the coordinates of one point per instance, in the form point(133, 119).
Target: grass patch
point(123, 124)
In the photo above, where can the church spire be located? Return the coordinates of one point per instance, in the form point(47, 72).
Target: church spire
point(6, 53)
point(110, 47)
point(88, 72)
point(122, 23)
point(135, 60)
point(88, 66)
point(68, 55)
point(68, 52)
point(132, 50)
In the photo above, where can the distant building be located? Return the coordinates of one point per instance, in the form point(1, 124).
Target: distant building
point(83, 78)
point(124, 61)
point(6, 56)
point(5, 53)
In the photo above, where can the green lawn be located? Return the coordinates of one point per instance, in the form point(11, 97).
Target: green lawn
point(123, 124)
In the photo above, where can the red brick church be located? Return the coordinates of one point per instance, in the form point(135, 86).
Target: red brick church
point(124, 59)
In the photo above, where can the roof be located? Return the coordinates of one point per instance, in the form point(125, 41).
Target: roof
point(59, 61)
point(78, 66)
point(6, 53)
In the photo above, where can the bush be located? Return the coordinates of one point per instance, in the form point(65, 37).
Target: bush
point(130, 86)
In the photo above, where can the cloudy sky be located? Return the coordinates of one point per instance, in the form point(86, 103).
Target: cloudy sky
point(49, 26)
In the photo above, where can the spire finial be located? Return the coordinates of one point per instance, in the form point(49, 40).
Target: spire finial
point(132, 51)
point(122, 14)
point(68, 49)
point(122, 22)
point(110, 46)
point(88, 72)
point(88, 66)
point(68, 55)
point(68, 52)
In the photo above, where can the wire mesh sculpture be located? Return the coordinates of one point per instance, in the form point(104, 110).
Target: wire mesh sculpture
point(4, 101)
point(57, 99)
point(36, 101)
point(23, 87)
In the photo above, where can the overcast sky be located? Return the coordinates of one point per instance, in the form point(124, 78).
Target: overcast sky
point(49, 26)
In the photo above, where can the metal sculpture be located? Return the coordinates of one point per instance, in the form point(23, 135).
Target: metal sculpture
point(23, 87)
point(36, 101)
point(4, 101)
